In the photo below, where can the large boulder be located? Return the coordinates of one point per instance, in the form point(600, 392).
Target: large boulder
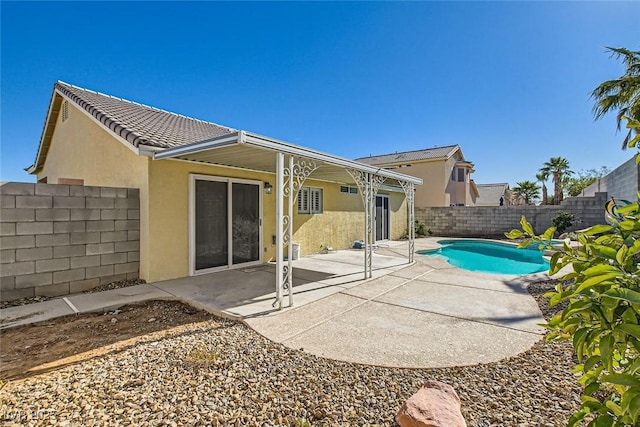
point(436, 404)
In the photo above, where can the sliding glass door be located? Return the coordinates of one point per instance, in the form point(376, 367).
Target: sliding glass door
point(226, 224)
point(381, 214)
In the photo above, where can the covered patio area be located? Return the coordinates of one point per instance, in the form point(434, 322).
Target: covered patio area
point(292, 165)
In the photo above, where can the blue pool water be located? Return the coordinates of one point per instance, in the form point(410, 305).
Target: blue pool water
point(490, 257)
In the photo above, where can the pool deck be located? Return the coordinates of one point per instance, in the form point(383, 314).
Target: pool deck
point(426, 315)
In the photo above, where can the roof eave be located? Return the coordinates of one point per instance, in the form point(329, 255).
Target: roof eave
point(39, 162)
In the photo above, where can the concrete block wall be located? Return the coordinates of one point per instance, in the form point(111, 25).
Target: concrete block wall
point(622, 183)
point(62, 239)
point(494, 221)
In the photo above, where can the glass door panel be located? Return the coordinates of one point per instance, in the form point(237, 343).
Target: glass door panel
point(245, 214)
point(211, 235)
point(382, 217)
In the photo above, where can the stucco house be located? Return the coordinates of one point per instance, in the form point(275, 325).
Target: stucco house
point(445, 169)
point(490, 194)
point(213, 197)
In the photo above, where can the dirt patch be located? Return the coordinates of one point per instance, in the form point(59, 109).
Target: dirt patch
point(40, 347)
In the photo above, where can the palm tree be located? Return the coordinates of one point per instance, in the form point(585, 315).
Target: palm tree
point(623, 93)
point(558, 168)
point(526, 190)
point(542, 177)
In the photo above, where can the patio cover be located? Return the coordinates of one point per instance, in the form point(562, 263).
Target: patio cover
point(292, 165)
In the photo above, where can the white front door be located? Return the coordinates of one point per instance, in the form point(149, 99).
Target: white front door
point(225, 223)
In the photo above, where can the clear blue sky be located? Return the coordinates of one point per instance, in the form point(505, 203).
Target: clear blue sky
point(508, 81)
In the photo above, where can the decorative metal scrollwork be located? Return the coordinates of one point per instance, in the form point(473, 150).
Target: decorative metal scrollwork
point(302, 168)
point(286, 224)
point(409, 191)
point(376, 182)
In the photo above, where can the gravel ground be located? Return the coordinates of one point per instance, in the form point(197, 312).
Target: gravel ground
point(222, 373)
point(106, 287)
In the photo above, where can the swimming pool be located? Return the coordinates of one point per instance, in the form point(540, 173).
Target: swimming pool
point(490, 257)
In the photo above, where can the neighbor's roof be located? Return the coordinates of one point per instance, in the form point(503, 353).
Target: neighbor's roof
point(133, 122)
point(489, 194)
point(411, 156)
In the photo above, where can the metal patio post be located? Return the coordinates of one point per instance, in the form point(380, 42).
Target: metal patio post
point(290, 198)
point(279, 225)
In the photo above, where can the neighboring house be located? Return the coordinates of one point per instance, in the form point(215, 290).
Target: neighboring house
point(212, 197)
point(490, 194)
point(621, 183)
point(445, 173)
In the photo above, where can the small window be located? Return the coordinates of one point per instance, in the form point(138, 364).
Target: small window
point(348, 189)
point(461, 172)
point(310, 200)
point(453, 174)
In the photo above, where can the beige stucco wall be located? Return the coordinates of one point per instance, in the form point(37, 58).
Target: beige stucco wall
point(341, 222)
point(169, 214)
point(82, 149)
point(438, 190)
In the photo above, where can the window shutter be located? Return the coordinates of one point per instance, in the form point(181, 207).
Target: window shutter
point(303, 200)
point(316, 200)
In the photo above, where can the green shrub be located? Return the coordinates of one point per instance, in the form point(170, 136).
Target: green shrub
point(602, 316)
point(421, 229)
point(562, 221)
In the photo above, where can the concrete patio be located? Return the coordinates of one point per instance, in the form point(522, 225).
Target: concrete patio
point(426, 314)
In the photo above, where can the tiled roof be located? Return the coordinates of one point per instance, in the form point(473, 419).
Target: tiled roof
point(489, 194)
point(141, 124)
point(410, 156)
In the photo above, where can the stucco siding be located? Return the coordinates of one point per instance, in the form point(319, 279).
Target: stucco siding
point(81, 149)
point(341, 222)
point(168, 251)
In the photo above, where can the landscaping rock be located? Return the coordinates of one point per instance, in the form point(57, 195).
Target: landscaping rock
point(436, 404)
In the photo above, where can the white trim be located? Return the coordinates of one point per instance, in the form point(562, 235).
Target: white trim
point(181, 150)
point(34, 167)
point(258, 141)
point(192, 227)
point(216, 165)
point(273, 144)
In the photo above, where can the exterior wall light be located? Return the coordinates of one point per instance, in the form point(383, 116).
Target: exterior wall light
point(268, 188)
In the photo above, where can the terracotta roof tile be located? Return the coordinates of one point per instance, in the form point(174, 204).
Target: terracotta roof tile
point(141, 124)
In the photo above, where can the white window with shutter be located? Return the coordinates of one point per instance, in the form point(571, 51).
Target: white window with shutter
point(310, 200)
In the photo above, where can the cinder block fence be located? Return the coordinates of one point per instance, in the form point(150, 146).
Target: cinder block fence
point(494, 221)
point(61, 239)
